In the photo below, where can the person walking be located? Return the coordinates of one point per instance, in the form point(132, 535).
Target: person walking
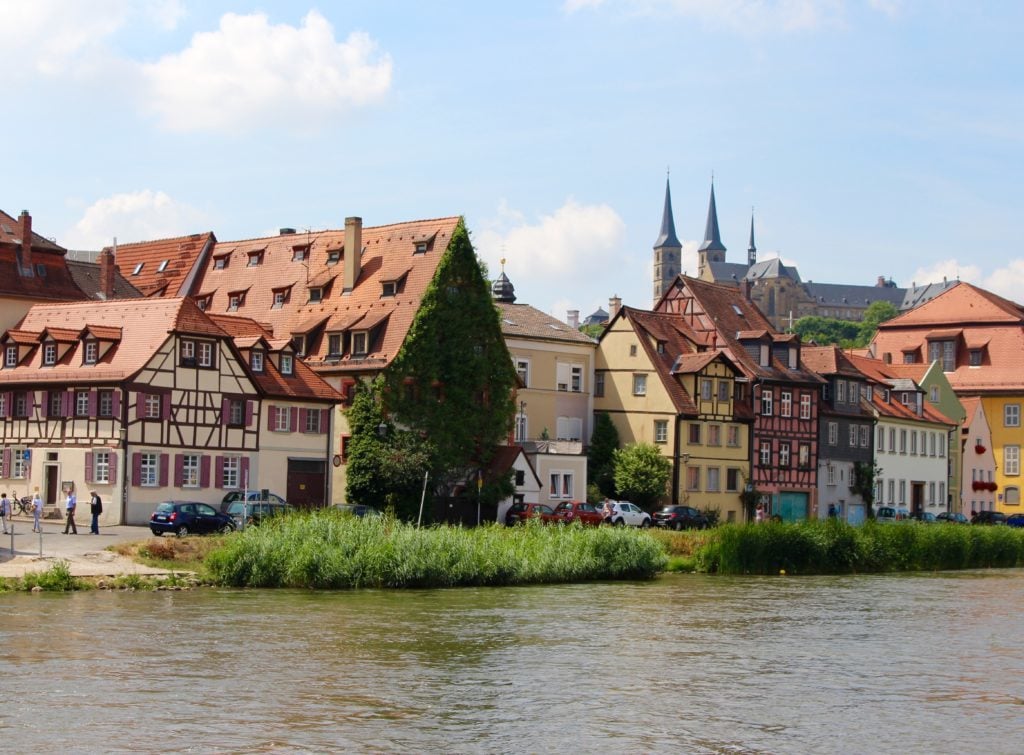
point(95, 508)
point(37, 511)
point(5, 511)
point(69, 507)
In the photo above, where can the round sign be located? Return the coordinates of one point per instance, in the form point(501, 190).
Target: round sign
point(337, 460)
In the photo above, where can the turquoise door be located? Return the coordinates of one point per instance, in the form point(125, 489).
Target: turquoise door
point(793, 506)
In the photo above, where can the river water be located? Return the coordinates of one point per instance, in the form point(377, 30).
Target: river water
point(695, 664)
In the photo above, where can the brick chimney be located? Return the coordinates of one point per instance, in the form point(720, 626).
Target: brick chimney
point(107, 274)
point(26, 242)
point(573, 318)
point(746, 289)
point(614, 302)
point(353, 251)
point(881, 282)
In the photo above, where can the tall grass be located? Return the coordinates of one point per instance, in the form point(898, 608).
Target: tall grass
point(834, 547)
point(328, 550)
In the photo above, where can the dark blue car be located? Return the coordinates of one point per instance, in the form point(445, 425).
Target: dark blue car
point(1015, 520)
point(189, 517)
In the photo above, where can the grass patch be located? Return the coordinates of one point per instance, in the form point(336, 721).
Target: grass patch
point(172, 553)
point(329, 550)
point(55, 579)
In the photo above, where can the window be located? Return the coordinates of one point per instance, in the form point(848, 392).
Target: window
point(576, 379)
point(830, 475)
point(833, 433)
point(792, 358)
point(234, 300)
point(105, 402)
point(881, 439)
point(312, 421)
point(632, 349)
point(942, 493)
point(148, 470)
point(723, 390)
point(203, 302)
point(766, 454)
point(903, 491)
point(661, 431)
point(732, 436)
point(256, 360)
point(359, 342)
point(190, 471)
point(49, 353)
point(560, 485)
point(569, 377)
point(56, 405)
point(334, 257)
point(805, 406)
point(282, 420)
point(639, 385)
point(299, 344)
point(205, 354)
point(865, 436)
point(1011, 460)
point(187, 352)
point(705, 389)
point(81, 403)
point(334, 345)
point(3, 404)
point(390, 288)
point(694, 433)
point(764, 356)
point(714, 435)
point(693, 478)
point(420, 248)
point(255, 259)
point(941, 449)
point(101, 466)
point(913, 443)
point(853, 436)
point(315, 294)
point(299, 253)
point(236, 412)
point(880, 491)
point(279, 298)
point(521, 427)
point(599, 384)
point(11, 356)
point(974, 358)
point(931, 493)
point(841, 391)
point(892, 491)
point(714, 479)
point(230, 471)
point(786, 408)
point(21, 404)
point(1011, 415)
point(286, 364)
point(766, 403)
point(732, 479)
point(903, 441)
point(219, 263)
point(892, 440)
point(784, 454)
point(933, 394)
point(804, 456)
point(151, 406)
point(944, 352)
point(931, 444)
point(138, 268)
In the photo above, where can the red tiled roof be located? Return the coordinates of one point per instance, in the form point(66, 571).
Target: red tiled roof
point(180, 253)
point(104, 332)
point(62, 335)
point(828, 360)
point(50, 280)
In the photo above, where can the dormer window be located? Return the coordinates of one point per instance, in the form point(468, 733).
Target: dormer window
point(299, 344)
point(221, 262)
point(299, 253)
point(886, 395)
point(421, 247)
point(316, 294)
point(204, 302)
point(11, 356)
point(162, 266)
point(792, 358)
point(205, 358)
point(188, 353)
point(91, 352)
point(49, 354)
point(280, 297)
point(334, 345)
point(138, 268)
point(765, 355)
point(287, 364)
point(40, 269)
point(235, 300)
point(334, 257)
point(256, 360)
point(359, 342)
point(390, 288)
point(974, 358)
point(255, 259)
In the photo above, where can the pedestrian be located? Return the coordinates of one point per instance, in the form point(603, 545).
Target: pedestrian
point(759, 513)
point(37, 511)
point(607, 511)
point(69, 507)
point(832, 513)
point(5, 511)
point(95, 508)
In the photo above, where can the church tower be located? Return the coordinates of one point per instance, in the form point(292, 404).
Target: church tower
point(667, 249)
point(751, 248)
point(712, 249)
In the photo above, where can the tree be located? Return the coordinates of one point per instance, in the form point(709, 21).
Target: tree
point(863, 484)
point(876, 313)
point(604, 441)
point(450, 385)
point(826, 330)
point(641, 474)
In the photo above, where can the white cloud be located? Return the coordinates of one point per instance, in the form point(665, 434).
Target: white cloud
point(1007, 281)
point(55, 37)
point(552, 261)
point(949, 269)
point(249, 72)
point(139, 216)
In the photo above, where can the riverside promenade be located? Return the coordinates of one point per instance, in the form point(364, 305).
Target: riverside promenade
point(85, 554)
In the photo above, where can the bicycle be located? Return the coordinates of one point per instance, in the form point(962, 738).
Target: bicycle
point(22, 506)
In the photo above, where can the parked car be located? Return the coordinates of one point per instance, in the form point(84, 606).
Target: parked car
point(1015, 520)
point(989, 517)
point(891, 514)
point(250, 495)
point(357, 509)
point(953, 518)
point(681, 517)
point(578, 511)
point(520, 512)
point(256, 511)
point(925, 517)
point(189, 517)
point(624, 512)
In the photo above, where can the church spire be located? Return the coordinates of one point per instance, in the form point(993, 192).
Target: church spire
point(667, 249)
point(712, 239)
point(752, 248)
point(667, 237)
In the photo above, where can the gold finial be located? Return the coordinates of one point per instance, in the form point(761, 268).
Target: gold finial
point(502, 264)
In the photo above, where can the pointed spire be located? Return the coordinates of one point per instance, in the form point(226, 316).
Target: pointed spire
point(667, 237)
point(712, 239)
point(752, 248)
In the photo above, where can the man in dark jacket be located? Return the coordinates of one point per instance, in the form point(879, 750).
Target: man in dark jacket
point(95, 508)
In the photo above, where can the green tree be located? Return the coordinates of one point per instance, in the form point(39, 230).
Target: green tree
point(604, 441)
point(826, 330)
point(876, 313)
point(450, 385)
point(641, 474)
point(863, 484)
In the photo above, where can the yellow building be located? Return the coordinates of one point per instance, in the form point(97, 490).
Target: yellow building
point(661, 384)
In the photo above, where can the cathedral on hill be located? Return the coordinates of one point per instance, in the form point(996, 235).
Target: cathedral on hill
point(776, 288)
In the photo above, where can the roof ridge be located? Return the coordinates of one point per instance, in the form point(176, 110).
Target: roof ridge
point(309, 231)
point(159, 241)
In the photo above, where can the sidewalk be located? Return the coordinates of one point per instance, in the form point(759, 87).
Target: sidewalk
point(85, 554)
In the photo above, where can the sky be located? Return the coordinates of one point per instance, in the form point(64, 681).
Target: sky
point(868, 137)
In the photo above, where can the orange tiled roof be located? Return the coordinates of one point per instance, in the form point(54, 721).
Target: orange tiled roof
point(383, 247)
point(50, 280)
point(828, 360)
point(177, 255)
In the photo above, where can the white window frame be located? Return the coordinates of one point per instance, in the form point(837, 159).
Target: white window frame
point(805, 406)
point(231, 472)
point(152, 408)
point(49, 354)
point(101, 466)
point(105, 403)
point(523, 370)
point(784, 454)
point(312, 421)
point(81, 403)
point(841, 391)
point(853, 436)
point(880, 442)
point(205, 358)
point(714, 480)
point(865, 436)
point(576, 378)
point(833, 433)
point(560, 485)
point(767, 401)
point(522, 422)
point(283, 423)
point(765, 453)
point(786, 404)
point(287, 364)
point(661, 431)
point(256, 360)
point(705, 389)
point(11, 356)
point(190, 465)
point(149, 469)
point(1011, 415)
point(1011, 461)
point(360, 342)
point(732, 436)
point(639, 384)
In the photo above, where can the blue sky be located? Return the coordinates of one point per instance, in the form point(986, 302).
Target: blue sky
point(872, 137)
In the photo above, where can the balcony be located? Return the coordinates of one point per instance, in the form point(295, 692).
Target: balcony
point(568, 447)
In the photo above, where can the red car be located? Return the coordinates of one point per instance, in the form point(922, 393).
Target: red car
point(578, 511)
point(520, 512)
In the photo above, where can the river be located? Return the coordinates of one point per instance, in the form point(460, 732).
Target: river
point(695, 664)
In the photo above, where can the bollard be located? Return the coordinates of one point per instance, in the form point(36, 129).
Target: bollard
point(12, 539)
point(40, 542)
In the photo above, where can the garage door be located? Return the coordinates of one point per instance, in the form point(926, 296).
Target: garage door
point(793, 506)
point(307, 482)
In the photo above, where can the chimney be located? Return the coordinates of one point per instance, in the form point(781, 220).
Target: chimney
point(26, 242)
point(573, 318)
point(881, 282)
point(353, 251)
point(107, 273)
point(746, 289)
point(613, 306)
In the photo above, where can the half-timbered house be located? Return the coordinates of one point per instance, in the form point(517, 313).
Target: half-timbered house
point(781, 392)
